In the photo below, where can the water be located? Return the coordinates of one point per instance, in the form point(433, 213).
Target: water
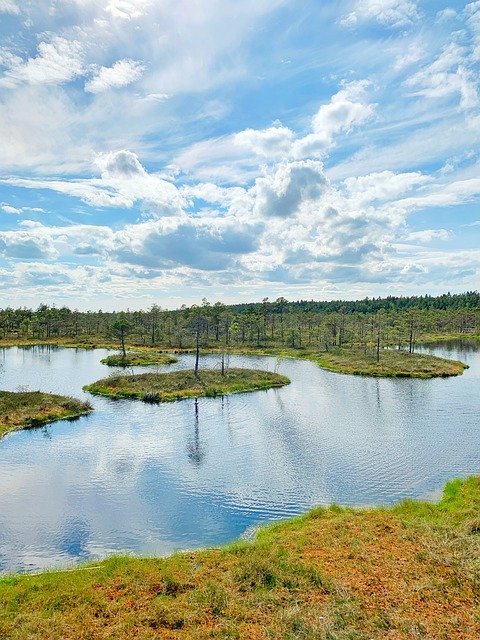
point(151, 479)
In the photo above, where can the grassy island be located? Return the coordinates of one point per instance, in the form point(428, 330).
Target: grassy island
point(138, 358)
point(410, 571)
point(32, 409)
point(177, 385)
point(392, 364)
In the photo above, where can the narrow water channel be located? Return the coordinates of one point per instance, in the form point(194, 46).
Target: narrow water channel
point(151, 479)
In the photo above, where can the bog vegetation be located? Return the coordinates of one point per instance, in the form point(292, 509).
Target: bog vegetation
point(411, 571)
point(24, 409)
point(166, 387)
point(343, 336)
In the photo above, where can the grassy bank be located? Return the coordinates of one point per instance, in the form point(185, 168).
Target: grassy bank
point(33, 408)
point(412, 571)
point(177, 385)
point(138, 358)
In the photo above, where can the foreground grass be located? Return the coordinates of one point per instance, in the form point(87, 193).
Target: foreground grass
point(177, 385)
point(138, 358)
point(33, 408)
point(409, 572)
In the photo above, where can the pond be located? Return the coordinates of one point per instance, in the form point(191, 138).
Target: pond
point(152, 479)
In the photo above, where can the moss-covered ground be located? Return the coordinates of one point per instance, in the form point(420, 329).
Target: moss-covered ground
point(23, 410)
point(138, 358)
point(177, 385)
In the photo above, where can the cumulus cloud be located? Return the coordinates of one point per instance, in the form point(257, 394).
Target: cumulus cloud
point(283, 192)
point(394, 13)
point(197, 244)
point(24, 245)
point(272, 142)
point(123, 182)
point(58, 61)
point(345, 110)
point(383, 186)
point(121, 74)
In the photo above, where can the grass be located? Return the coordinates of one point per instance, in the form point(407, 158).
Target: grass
point(392, 364)
point(177, 385)
point(28, 409)
point(412, 571)
point(138, 358)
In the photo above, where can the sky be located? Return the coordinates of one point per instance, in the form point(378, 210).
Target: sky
point(163, 151)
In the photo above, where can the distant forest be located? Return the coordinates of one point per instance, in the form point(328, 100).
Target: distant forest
point(304, 324)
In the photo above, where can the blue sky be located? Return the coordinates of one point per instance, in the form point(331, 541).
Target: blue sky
point(165, 151)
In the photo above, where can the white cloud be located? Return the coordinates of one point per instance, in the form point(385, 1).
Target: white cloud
point(346, 110)
point(447, 75)
point(427, 235)
point(7, 208)
point(9, 6)
point(472, 12)
point(283, 192)
point(394, 13)
point(383, 186)
point(25, 246)
point(58, 61)
point(123, 182)
point(446, 14)
point(121, 74)
point(127, 9)
point(272, 142)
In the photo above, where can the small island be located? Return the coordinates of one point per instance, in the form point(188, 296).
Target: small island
point(178, 385)
point(24, 410)
point(138, 358)
point(392, 363)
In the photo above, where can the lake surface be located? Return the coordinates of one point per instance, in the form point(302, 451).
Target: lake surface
point(151, 479)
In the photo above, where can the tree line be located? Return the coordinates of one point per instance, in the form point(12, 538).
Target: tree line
point(319, 326)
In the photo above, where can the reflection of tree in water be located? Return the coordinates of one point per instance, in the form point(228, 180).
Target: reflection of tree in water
point(195, 449)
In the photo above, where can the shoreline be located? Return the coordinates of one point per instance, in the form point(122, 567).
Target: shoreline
point(339, 570)
point(33, 409)
point(354, 363)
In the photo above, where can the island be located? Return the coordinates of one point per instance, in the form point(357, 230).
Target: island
point(178, 385)
point(138, 358)
point(392, 363)
point(27, 409)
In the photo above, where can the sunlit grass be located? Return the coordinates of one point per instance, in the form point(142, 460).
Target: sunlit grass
point(32, 408)
point(138, 358)
point(412, 571)
point(167, 387)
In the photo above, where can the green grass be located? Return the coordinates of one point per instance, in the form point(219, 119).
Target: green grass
point(28, 409)
point(392, 364)
point(138, 358)
point(177, 385)
point(412, 571)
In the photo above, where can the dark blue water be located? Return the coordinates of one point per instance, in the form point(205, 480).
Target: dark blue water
point(150, 479)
